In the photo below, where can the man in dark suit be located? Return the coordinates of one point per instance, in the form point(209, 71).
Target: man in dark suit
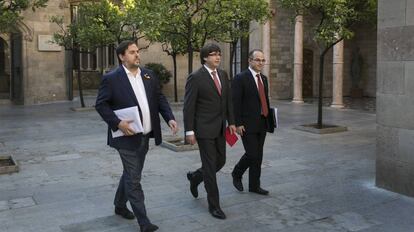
point(253, 120)
point(129, 86)
point(207, 107)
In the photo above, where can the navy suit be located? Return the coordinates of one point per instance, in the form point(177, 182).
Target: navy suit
point(247, 113)
point(115, 92)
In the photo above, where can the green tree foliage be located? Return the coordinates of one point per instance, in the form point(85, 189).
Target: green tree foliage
point(161, 71)
point(336, 17)
point(336, 21)
point(187, 24)
point(10, 12)
point(96, 25)
point(183, 26)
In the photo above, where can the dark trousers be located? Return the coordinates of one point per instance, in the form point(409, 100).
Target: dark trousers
point(252, 158)
point(129, 188)
point(213, 158)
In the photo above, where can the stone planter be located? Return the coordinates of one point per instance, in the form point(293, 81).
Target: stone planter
point(326, 128)
point(177, 144)
point(8, 165)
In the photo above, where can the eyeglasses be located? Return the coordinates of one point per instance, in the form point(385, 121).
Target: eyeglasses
point(214, 54)
point(259, 60)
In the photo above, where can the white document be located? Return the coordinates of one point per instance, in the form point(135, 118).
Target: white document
point(276, 120)
point(130, 113)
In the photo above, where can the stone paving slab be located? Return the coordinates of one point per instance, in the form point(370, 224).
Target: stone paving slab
point(317, 183)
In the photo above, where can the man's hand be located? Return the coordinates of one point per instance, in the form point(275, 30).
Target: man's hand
point(124, 127)
point(232, 129)
point(240, 130)
point(173, 125)
point(190, 139)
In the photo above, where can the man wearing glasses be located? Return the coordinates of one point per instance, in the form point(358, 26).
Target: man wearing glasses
point(207, 109)
point(251, 113)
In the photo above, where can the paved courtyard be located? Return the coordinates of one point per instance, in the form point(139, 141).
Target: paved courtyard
point(317, 183)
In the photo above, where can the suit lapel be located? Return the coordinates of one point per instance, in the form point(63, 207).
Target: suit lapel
point(146, 79)
point(252, 82)
point(210, 80)
point(222, 82)
point(123, 78)
point(266, 88)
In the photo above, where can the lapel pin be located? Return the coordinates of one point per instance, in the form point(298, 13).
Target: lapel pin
point(146, 76)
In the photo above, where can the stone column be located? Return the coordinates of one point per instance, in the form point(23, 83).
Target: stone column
point(298, 61)
point(338, 75)
point(395, 96)
point(267, 51)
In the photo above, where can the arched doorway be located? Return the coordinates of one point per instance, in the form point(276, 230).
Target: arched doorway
point(307, 83)
point(16, 82)
point(4, 70)
point(11, 68)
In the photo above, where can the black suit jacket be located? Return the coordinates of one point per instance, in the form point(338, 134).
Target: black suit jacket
point(115, 92)
point(246, 101)
point(205, 110)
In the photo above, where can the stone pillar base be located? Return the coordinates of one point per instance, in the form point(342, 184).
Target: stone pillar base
point(338, 106)
point(297, 101)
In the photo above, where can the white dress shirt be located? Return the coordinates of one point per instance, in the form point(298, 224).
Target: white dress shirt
point(254, 73)
point(139, 90)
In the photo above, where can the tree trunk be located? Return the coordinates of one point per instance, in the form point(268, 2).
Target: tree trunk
point(190, 59)
point(174, 56)
point(321, 69)
point(101, 58)
point(321, 66)
point(232, 53)
point(79, 80)
point(69, 73)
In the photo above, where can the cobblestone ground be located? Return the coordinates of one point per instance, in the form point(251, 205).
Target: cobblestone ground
point(68, 177)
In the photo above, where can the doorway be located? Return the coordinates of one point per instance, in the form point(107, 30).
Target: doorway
point(4, 70)
point(307, 83)
point(16, 82)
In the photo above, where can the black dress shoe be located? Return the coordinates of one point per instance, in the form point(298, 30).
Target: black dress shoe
point(124, 212)
point(259, 191)
point(237, 183)
point(217, 213)
point(148, 228)
point(193, 185)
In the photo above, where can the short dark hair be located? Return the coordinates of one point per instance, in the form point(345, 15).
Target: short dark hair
point(253, 51)
point(207, 49)
point(123, 46)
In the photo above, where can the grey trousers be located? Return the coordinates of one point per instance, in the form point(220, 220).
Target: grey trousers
point(129, 188)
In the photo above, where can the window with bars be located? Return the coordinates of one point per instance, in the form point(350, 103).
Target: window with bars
point(240, 51)
point(94, 60)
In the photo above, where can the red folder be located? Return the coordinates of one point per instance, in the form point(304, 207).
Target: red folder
point(231, 139)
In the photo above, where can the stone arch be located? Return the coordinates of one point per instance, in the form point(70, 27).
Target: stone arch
point(26, 31)
point(4, 69)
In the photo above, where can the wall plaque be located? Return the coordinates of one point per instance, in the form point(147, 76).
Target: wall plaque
point(45, 44)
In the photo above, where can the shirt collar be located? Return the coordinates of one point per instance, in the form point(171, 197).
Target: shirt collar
point(209, 69)
point(129, 72)
point(253, 72)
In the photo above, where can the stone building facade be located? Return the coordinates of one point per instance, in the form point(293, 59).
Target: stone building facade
point(283, 61)
point(395, 97)
point(43, 77)
point(33, 70)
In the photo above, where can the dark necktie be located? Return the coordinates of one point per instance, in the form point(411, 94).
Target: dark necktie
point(263, 102)
point(216, 81)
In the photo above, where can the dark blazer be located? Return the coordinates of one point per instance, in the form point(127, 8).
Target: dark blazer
point(205, 110)
point(115, 92)
point(246, 102)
